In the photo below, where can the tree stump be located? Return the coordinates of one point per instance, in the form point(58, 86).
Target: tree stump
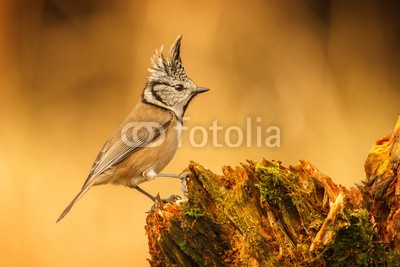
point(264, 214)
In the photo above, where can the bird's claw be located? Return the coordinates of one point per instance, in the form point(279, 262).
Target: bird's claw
point(183, 178)
point(171, 199)
point(159, 202)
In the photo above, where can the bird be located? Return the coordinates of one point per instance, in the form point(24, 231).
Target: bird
point(146, 141)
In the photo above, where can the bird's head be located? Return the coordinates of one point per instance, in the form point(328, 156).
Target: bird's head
point(168, 84)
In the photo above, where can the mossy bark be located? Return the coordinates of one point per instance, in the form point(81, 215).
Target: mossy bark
point(265, 214)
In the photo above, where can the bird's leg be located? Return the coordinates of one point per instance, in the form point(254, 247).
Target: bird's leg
point(182, 176)
point(172, 199)
point(173, 175)
point(144, 193)
point(168, 175)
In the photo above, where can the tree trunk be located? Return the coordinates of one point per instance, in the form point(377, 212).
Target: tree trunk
point(265, 214)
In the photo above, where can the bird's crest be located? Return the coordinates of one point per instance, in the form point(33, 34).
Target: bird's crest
point(162, 67)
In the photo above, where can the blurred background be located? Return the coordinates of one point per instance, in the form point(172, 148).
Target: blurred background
point(325, 72)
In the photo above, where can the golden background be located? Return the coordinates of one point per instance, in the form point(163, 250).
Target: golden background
point(325, 72)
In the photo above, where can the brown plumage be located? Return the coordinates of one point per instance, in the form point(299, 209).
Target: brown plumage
point(147, 140)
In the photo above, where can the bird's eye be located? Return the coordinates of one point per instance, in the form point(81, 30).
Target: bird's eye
point(178, 87)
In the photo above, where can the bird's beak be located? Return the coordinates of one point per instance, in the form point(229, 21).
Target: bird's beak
point(200, 90)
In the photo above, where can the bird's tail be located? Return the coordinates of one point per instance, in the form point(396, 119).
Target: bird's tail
point(78, 196)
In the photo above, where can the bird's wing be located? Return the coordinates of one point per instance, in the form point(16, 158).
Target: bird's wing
point(129, 138)
point(100, 156)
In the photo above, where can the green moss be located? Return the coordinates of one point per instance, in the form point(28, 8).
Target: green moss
point(193, 213)
point(182, 246)
point(392, 259)
point(354, 246)
point(272, 189)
